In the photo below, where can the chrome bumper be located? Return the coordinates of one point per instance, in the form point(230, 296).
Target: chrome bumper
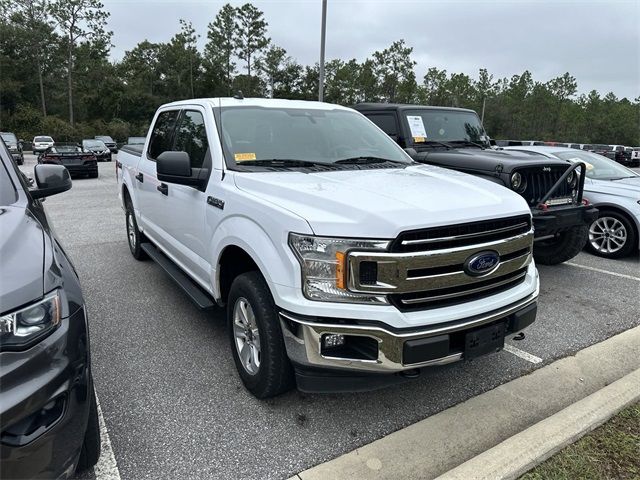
point(304, 347)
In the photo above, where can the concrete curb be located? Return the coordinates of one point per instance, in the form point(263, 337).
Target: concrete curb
point(444, 441)
point(525, 450)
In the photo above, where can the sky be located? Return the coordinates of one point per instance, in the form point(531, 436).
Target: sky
point(598, 42)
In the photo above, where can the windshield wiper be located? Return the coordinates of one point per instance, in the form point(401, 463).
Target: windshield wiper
point(280, 162)
point(432, 143)
point(366, 160)
point(468, 142)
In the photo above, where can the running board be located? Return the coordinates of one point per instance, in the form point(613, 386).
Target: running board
point(197, 295)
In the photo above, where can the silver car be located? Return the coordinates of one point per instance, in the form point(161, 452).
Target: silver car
point(615, 190)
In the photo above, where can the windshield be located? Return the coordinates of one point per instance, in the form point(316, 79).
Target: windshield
point(65, 149)
point(252, 134)
point(9, 137)
point(598, 167)
point(444, 126)
point(93, 144)
point(43, 139)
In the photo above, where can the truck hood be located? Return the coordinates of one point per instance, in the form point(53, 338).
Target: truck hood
point(477, 159)
point(381, 203)
point(22, 253)
point(625, 187)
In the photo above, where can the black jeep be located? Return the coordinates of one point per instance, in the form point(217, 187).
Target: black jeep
point(454, 138)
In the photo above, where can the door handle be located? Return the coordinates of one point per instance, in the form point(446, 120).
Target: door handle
point(140, 177)
point(163, 188)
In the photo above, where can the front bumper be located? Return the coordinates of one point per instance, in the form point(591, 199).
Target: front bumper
point(386, 350)
point(556, 219)
point(44, 403)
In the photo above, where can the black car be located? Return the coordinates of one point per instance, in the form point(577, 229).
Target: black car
point(98, 148)
point(48, 410)
point(14, 146)
point(109, 142)
point(454, 138)
point(73, 157)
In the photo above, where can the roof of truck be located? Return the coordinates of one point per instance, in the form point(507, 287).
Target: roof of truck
point(257, 102)
point(405, 106)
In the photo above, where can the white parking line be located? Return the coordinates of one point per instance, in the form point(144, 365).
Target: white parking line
point(107, 467)
point(599, 270)
point(522, 354)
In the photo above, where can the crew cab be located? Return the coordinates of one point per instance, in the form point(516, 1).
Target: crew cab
point(342, 263)
point(455, 138)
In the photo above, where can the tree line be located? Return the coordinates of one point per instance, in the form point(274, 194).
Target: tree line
point(57, 78)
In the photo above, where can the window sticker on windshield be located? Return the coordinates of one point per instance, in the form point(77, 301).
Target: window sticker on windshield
point(243, 157)
point(576, 160)
point(416, 126)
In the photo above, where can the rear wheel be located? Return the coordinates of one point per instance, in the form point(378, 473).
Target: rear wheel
point(93, 174)
point(611, 235)
point(134, 236)
point(566, 245)
point(256, 338)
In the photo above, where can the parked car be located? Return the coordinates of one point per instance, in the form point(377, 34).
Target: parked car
point(635, 156)
point(454, 138)
point(109, 142)
point(47, 402)
point(615, 190)
point(14, 145)
point(342, 263)
point(98, 148)
point(41, 143)
point(136, 140)
point(73, 157)
point(532, 142)
point(508, 143)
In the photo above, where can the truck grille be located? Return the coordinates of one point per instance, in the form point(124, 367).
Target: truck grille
point(539, 181)
point(429, 268)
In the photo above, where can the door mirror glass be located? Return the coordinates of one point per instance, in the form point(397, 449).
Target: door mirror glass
point(50, 180)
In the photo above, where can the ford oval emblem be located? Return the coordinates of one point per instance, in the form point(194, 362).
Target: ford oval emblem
point(482, 263)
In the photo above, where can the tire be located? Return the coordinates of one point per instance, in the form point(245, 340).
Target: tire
point(612, 235)
point(565, 246)
point(93, 174)
point(272, 374)
point(90, 452)
point(135, 237)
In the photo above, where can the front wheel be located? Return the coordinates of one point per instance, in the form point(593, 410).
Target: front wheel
point(256, 338)
point(611, 235)
point(134, 236)
point(566, 245)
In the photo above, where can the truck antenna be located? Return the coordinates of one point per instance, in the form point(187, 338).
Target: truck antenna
point(238, 95)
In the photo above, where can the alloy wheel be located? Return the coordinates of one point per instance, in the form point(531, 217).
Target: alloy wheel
point(607, 235)
point(246, 335)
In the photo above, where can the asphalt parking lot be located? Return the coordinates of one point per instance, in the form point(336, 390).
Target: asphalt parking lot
point(175, 408)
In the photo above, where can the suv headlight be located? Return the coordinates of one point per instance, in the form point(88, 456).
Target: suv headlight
point(323, 261)
point(25, 325)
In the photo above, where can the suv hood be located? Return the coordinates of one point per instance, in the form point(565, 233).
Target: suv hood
point(477, 159)
point(381, 203)
point(22, 253)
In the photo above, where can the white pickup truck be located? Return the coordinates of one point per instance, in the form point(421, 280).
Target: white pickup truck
point(343, 264)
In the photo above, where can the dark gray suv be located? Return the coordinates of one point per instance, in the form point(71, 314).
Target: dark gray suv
point(48, 413)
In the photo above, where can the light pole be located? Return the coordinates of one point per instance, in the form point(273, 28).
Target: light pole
point(322, 40)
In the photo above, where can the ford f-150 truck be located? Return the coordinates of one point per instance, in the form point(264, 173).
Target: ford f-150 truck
point(343, 264)
point(455, 138)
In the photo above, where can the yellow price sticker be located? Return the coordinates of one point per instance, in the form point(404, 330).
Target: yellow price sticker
point(243, 157)
point(419, 139)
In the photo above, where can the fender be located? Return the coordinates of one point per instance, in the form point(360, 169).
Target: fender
point(281, 267)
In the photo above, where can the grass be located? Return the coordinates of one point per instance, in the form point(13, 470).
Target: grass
point(611, 451)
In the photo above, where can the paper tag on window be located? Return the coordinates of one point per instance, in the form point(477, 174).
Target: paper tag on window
point(243, 157)
point(416, 126)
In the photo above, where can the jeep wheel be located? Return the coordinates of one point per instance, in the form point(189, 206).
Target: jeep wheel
point(256, 339)
point(611, 235)
point(566, 245)
point(134, 236)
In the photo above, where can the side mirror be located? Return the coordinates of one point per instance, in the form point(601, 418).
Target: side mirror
point(175, 167)
point(50, 179)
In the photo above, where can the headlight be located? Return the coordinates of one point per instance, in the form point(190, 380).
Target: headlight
point(25, 325)
point(323, 261)
point(518, 183)
point(572, 179)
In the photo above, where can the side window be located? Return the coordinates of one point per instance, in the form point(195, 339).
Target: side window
point(386, 122)
point(191, 137)
point(160, 140)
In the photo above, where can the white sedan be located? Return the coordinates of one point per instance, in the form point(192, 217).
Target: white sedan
point(615, 190)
